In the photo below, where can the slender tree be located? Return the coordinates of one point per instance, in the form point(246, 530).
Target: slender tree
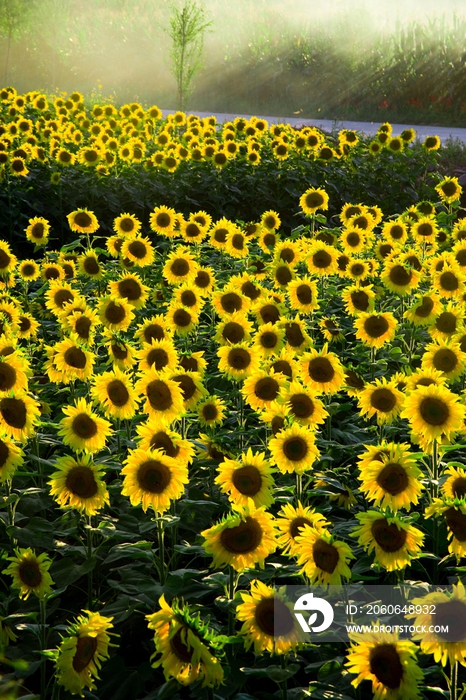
point(187, 30)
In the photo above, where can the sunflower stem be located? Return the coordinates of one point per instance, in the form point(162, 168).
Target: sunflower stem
point(299, 487)
point(42, 616)
point(373, 352)
point(231, 595)
point(89, 559)
point(118, 436)
point(453, 681)
point(284, 684)
point(160, 534)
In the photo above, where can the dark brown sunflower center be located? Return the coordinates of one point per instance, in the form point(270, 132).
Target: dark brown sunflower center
point(282, 366)
point(449, 281)
point(399, 276)
point(138, 249)
point(353, 239)
point(192, 230)
point(388, 536)
point(82, 219)
point(269, 313)
point(178, 646)
point(273, 617)
point(83, 326)
point(357, 269)
point(313, 200)
point(451, 614)
point(297, 524)
point(115, 313)
point(29, 573)
point(277, 424)
point(153, 332)
point(383, 400)
point(386, 666)
point(446, 322)
point(250, 290)
point(62, 297)
point(179, 267)
point(4, 453)
point(301, 405)
point(85, 650)
point(127, 224)
point(449, 188)
point(28, 270)
point(243, 538)
point(360, 300)
point(376, 326)
point(7, 376)
point(267, 389)
point(234, 332)
point(237, 241)
point(186, 384)
point(304, 294)
point(456, 521)
point(239, 359)
point(396, 232)
point(75, 357)
point(210, 411)
point(91, 265)
point(247, 480)
point(269, 240)
point(130, 289)
point(220, 235)
point(14, 412)
point(458, 487)
point(231, 302)
point(445, 360)
point(202, 279)
point(52, 273)
point(188, 298)
point(320, 370)
point(84, 426)
point(117, 393)
point(283, 275)
point(321, 259)
point(81, 482)
point(162, 441)
point(393, 478)
point(295, 448)
point(352, 380)
point(159, 395)
point(189, 364)
point(182, 318)
point(157, 357)
point(153, 476)
point(325, 556)
point(38, 230)
point(120, 353)
point(425, 308)
point(294, 334)
point(425, 229)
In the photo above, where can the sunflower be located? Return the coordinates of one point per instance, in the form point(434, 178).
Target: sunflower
point(7, 259)
point(115, 314)
point(449, 282)
point(82, 651)
point(271, 220)
point(162, 220)
point(114, 393)
point(227, 301)
point(395, 232)
point(154, 435)
point(122, 354)
point(321, 259)
point(219, 232)
point(78, 484)
point(382, 399)
point(358, 299)
point(454, 514)
point(191, 230)
point(424, 310)
point(83, 430)
point(11, 457)
point(159, 353)
point(449, 189)
point(389, 663)
point(302, 406)
point(399, 278)
point(138, 250)
point(236, 243)
point(73, 360)
point(191, 387)
point(269, 340)
point(28, 270)
point(188, 296)
point(267, 310)
point(444, 356)
point(293, 449)
point(235, 329)
point(38, 231)
point(450, 613)
point(249, 477)
point(312, 200)
point(242, 539)
point(58, 295)
point(290, 522)
point(204, 282)
point(187, 648)
point(82, 324)
point(30, 573)
point(322, 371)
point(18, 415)
point(288, 252)
point(163, 396)
point(154, 328)
point(211, 411)
point(375, 329)
point(393, 479)
point(180, 267)
point(268, 620)
point(83, 221)
point(394, 541)
point(193, 362)
point(424, 377)
point(261, 388)
point(353, 240)
point(126, 225)
point(454, 487)
point(448, 323)
point(13, 373)
point(153, 479)
point(324, 560)
point(238, 361)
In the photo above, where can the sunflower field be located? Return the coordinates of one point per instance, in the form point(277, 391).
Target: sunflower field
point(198, 408)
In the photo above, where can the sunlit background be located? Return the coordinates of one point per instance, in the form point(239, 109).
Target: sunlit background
point(338, 59)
